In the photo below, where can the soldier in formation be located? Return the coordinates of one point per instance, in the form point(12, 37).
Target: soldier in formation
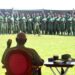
point(37, 23)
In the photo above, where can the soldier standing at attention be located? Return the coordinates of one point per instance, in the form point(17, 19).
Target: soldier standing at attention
point(54, 23)
point(16, 23)
point(51, 24)
point(21, 22)
point(62, 25)
point(37, 24)
point(10, 24)
point(29, 24)
point(69, 24)
point(24, 20)
point(44, 24)
point(33, 23)
point(58, 24)
point(48, 21)
point(6, 23)
point(73, 25)
point(1, 23)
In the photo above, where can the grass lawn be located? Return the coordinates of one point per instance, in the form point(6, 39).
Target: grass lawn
point(46, 46)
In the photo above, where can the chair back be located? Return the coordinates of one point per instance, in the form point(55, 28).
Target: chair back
point(18, 62)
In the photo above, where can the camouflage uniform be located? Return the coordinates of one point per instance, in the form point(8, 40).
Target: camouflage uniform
point(10, 24)
point(62, 25)
point(6, 24)
point(58, 25)
point(44, 25)
point(37, 25)
point(69, 25)
point(1, 24)
point(29, 24)
point(16, 24)
point(73, 25)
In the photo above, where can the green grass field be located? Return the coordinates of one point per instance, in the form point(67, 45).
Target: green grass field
point(46, 46)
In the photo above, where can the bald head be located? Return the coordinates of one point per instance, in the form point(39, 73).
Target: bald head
point(21, 38)
point(21, 35)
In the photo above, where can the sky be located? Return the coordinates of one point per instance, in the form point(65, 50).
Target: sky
point(38, 4)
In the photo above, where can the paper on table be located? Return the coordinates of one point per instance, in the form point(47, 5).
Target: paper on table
point(46, 62)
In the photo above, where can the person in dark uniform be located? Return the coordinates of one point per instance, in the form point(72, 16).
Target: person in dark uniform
point(29, 24)
point(24, 20)
point(37, 24)
point(62, 25)
point(44, 24)
point(48, 23)
point(22, 23)
point(1, 23)
point(21, 40)
point(10, 24)
point(68, 24)
point(73, 25)
point(33, 23)
point(16, 23)
point(51, 20)
point(58, 24)
point(54, 23)
point(6, 23)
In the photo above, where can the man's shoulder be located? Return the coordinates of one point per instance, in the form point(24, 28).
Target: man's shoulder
point(26, 49)
point(20, 48)
point(29, 48)
point(10, 49)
